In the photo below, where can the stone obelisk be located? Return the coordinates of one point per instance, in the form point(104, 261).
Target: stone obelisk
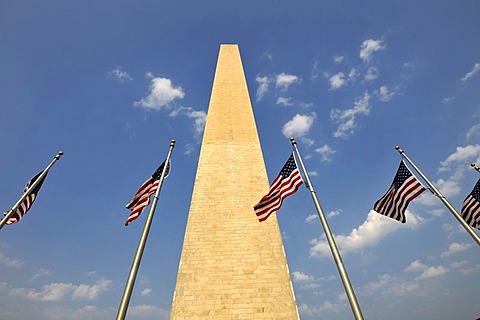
point(232, 266)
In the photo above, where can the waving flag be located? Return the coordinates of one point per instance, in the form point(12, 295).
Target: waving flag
point(141, 199)
point(405, 188)
point(285, 184)
point(471, 207)
point(28, 201)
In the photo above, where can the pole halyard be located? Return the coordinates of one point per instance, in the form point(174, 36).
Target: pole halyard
point(127, 293)
point(437, 193)
point(357, 312)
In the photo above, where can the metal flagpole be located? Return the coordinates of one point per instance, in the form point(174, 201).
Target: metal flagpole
point(27, 193)
point(127, 293)
point(331, 241)
point(437, 193)
point(475, 167)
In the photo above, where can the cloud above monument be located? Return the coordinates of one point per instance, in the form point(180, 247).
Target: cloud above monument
point(162, 93)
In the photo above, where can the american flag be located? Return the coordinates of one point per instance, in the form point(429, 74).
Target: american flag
point(405, 188)
point(27, 203)
point(471, 207)
point(285, 184)
point(141, 199)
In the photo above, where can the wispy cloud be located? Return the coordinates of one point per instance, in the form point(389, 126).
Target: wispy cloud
point(161, 94)
point(299, 125)
point(461, 154)
point(119, 74)
point(470, 74)
point(285, 101)
point(300, 276)
point(59, 291)
point(369, 47)
point(372, 74)
point(263, 84)
point(337, 81)
point(284, 80)
point(346, 118)
point(456, 247)
point(325, 153)
point(475, 130)
point(6, 261)
point(199, 117)
point(385, 94)
point(338, 59)
point(146, 292)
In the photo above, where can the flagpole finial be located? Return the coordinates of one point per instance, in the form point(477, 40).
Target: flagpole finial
point(172, 142)
point(472, 164)
point(398, 149)
point(59, 154)
point(293, 140)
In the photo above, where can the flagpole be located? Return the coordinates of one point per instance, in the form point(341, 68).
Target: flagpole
point(27, 193)
point(331, 241)
point(437, 193)
point(127, 293)
point(475, 167)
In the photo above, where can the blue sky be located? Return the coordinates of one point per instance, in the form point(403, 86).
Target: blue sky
point(111, 82)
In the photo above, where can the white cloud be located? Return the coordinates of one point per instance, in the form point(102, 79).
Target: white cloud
point(10, 262)
point(372, 230)
point(337, 81)
point(325, 153)
point(307, 141)
point(146, 292)
point(199, 117)
point(311, 218)
point(334, 213)
point(475, 130)
point(49, 292)
point(189, 149)
point(475, 70)
point(91, 292)
point(346, 118)
point(392, 286)
point(385, 94)
point(416, 266)
point(263, 84)
point(313, 173)
point(369, 47)
point(372, 74)
point(40, 273)
point(447, 100)
point(432, 272)
point(59, 291)
point(300, 276)
point(456, 247)
point(119, 74)
point(461, 154)
point(299, 125)
point(285, 101)
point(162, 94)
point(284, 80)
point(338, 59)
point(266, 56)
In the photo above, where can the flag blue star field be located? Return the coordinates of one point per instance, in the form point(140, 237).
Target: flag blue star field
point(285, 184)
point(141, 199)
point(405, 188)
point(471, 207)
point(28, 201)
